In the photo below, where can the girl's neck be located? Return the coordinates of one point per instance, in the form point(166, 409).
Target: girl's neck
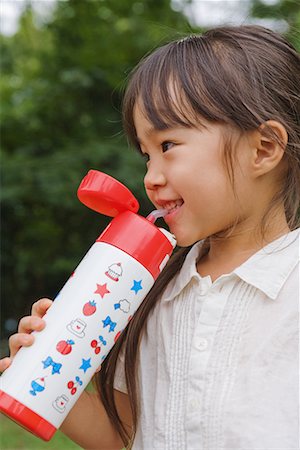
point(227, 253)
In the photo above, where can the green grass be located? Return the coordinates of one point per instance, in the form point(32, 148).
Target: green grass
point(14, 437)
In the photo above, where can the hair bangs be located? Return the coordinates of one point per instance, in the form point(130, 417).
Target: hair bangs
point(171, 91)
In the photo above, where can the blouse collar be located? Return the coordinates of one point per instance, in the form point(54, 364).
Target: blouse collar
point(267, 270)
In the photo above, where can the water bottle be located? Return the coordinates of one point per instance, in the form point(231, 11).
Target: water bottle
point(90, 312)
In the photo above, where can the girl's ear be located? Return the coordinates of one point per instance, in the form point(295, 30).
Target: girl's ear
point(271, 140)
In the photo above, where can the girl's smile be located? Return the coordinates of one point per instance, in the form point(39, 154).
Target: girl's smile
point(186, 175)
point(172, 206)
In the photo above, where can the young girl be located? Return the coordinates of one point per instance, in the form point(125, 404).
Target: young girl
point(210, 360)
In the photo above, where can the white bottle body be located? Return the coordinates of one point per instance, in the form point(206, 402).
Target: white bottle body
point(82, 325)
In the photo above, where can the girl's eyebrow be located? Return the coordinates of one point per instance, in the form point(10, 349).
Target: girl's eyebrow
point(152, 130)
point(148, 132)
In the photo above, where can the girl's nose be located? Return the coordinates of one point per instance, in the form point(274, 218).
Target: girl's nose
point(154, 177)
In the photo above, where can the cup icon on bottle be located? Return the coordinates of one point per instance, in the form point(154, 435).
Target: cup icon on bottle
point(60, 403)
point(77, 327)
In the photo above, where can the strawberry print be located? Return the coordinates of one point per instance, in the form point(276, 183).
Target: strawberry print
point(89, 308)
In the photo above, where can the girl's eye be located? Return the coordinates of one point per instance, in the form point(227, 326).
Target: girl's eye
point(166, 145)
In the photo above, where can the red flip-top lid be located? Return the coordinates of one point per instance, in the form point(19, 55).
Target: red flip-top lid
point(104, 194)
point(128, 231)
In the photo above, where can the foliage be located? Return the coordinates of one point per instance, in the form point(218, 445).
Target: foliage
point(61, 88)
point(287, 10)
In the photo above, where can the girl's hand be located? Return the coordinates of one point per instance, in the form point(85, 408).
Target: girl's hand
point(27, 324)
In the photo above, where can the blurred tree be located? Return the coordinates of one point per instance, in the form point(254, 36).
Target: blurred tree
point(61, 85)
point(61, 89)
point(288, 10)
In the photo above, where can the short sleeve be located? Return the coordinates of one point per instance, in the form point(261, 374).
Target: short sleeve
point(120, 380)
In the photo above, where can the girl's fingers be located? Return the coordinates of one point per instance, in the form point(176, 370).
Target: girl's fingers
point(18, 340)
point(35, 322)
point(40, 307)
point(4, 363)
point(26, 325)
point(30, 323)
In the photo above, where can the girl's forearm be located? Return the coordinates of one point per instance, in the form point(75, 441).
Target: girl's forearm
point(89, 426)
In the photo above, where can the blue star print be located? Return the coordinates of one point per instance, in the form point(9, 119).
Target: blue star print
point(137, 286)
point(86, 364)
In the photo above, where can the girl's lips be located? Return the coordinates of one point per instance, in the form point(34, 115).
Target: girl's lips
point(173, 212)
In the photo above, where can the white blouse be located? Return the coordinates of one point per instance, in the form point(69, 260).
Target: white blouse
point(219, 362)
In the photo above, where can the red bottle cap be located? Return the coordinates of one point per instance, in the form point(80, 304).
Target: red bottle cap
point(104, 194)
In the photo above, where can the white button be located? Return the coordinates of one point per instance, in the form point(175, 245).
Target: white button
point(203, 292)
point(201, 344)
point(193, 404)
point(204, 286)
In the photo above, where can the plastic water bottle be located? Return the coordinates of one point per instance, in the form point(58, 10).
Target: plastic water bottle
point(45, 380)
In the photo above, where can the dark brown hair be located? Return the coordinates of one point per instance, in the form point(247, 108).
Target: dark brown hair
point(241, 76)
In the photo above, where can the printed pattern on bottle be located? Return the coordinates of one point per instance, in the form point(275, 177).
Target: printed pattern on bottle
point(100, 314)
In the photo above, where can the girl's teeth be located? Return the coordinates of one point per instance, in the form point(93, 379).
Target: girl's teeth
point(173, 205)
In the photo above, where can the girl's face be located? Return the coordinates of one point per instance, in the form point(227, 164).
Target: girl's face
point(186, 175)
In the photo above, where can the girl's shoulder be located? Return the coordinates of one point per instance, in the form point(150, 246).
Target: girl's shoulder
point(271, 267)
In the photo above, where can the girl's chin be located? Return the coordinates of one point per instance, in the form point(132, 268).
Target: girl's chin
point(176, 227)
point(183, 238)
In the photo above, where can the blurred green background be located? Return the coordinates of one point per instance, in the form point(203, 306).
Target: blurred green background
point(61, 88)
